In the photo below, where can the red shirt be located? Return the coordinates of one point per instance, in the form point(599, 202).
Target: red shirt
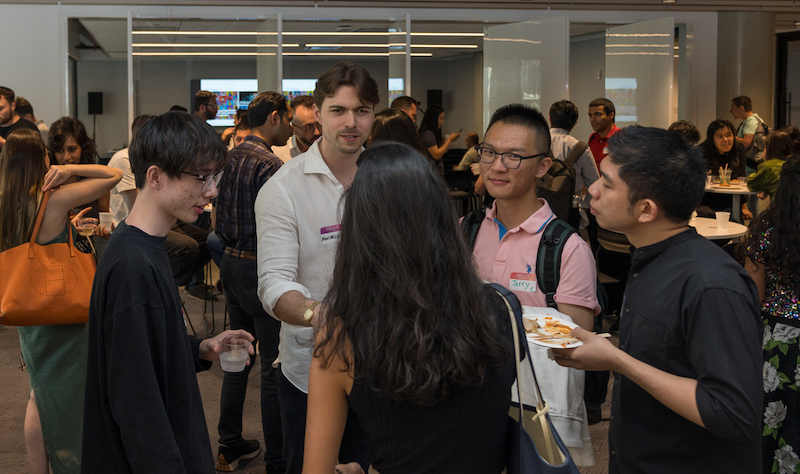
point(599, 145)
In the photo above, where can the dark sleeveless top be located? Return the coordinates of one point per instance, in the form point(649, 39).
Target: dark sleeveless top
point(464, 433)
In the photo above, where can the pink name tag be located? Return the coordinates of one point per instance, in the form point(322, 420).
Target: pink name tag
point(330, 234)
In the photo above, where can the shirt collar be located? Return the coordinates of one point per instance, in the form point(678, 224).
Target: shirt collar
point(533, 224)
point(558, 131)
point(596, 136)
point(649, 252)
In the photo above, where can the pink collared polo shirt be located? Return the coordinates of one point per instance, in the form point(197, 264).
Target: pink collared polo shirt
point(511, 261)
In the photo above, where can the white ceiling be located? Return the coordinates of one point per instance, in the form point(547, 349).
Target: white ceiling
point(109, 34)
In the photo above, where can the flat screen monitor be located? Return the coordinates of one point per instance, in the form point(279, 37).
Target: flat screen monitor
point(232, 94)
point(296, 87)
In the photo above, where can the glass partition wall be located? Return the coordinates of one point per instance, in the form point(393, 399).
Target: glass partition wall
point(431, 60)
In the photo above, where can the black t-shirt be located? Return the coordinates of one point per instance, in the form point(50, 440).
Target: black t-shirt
point(19, 124)
point(142, 410)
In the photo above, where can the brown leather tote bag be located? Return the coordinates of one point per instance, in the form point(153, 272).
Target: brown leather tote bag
point(45, 284)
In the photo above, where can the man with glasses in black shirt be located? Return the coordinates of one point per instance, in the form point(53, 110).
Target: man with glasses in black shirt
point(687, 394)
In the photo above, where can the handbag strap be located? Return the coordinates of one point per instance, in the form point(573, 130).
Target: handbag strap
point(38, 224)
point(542, 406)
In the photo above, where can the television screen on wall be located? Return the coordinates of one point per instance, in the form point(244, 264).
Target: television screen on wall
point(297, 87)
point(232, 94)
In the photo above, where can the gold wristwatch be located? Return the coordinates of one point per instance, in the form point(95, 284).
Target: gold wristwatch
point(309, 314)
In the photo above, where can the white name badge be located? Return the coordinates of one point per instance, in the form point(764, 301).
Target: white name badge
point(524, 282)
point(605, 151)
point(330, 234)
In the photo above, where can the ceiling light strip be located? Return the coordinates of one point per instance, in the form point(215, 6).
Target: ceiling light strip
point(176, 53)
point(637, 46)
point(303, 33)
point(210, 45)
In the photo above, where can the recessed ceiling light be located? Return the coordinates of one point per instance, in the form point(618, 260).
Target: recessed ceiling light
point(667, 1)
point(797, 23)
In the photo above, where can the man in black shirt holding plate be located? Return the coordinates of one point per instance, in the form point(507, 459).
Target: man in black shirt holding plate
point(687, 395)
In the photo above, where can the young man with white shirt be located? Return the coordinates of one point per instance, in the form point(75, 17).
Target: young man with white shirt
point(297, 223)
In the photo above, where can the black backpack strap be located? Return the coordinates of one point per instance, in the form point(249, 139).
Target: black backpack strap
point(548, 257)
point(471, 224)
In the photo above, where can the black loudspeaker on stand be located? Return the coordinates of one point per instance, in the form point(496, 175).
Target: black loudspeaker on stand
point(95, 109)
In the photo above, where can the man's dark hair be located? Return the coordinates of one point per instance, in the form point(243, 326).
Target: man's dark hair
point(743, 101)
point(660, 165)
point(607, 105)
point(7, 93)
point(176, 142)
point(179, 108)
point(262, 107)
point(306, 101)
point(519, 114)
point(244, 124)
point(204, 98)
point(240, 113)
point(404, 102)
point(23, 106)
point(687, 130)
point(564, 115)
point(138, 122)
point(346, 74)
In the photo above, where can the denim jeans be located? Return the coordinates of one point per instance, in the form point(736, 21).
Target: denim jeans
point(241, 282)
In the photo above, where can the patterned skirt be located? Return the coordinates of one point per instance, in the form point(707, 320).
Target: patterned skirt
point(780, 441)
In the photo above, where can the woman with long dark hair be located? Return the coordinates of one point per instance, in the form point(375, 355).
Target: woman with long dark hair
point(409, 337)
point(721, 150)
point(430, 132)
point(70, 144)
point(772, 246)
point(55, 356)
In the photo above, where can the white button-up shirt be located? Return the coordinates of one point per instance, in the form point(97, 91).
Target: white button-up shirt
point(297, 224)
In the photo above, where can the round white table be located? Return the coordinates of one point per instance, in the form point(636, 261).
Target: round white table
point(708, 229)
point(735, 190)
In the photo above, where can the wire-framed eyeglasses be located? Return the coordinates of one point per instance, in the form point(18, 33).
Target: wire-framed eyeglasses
point(308, 127)
point(509, 160)
point(207, 180)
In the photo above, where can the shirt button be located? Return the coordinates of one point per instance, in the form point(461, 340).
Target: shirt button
point(613, 453)
point(635, 275)
point(627, 310)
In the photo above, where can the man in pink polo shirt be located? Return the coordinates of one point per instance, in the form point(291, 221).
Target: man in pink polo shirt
point(513, 154)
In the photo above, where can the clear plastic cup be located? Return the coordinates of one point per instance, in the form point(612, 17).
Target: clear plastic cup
point(233, 353)
point(106, 218)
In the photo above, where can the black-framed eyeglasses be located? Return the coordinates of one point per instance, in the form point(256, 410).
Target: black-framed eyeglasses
point(308, 127)
point(509, 160)
point(207, 180)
